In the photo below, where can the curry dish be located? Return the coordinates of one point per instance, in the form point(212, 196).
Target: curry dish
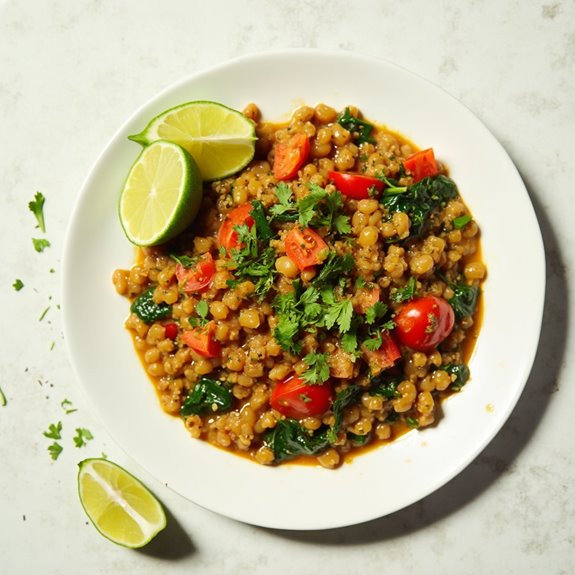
point(325, 300)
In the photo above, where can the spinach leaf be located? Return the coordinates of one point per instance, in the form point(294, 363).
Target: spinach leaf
point(385, 387)
point(342, 399)
point(360, 129)
point(421, 200)
point(461, 373)
point(208, 396)
point(465, 297)
point(359, 440)
point(147, 309)
point(264, 230)
point(289, 439)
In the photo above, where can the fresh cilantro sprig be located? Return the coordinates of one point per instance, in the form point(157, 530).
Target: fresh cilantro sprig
point(334, 312)
point(54, 431)
point(202, 310)
point(40, 244)
point(318, 368)
point(82, 436)
point(36, 206)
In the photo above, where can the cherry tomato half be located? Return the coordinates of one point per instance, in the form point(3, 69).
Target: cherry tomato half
point(171, 330)
point(227, 235)
point(421, 164)
point(385, 357)
point(305, 247)
point(198, 278)
point(296, 399)
point(356, 186)
point(290, 156)
point(423, 323)
point(202, 340)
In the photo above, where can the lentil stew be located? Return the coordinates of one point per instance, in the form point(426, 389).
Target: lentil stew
point(325, 300)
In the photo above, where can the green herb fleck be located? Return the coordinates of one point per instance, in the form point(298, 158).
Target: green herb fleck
point(18, 285)
point(412, 422)
point(54, 431)
point(67, 406)
point(40, 244)
point(3, 401)
point(461, 221)
point(318, 371)
point(82, 436)
point(36, 206)
point(43, 314)
point(404, 293)
point(55, 449)
point(202, 309)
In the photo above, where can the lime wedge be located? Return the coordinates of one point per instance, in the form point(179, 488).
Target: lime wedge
point(119, 506)
point(221, 140)
point(161, 195)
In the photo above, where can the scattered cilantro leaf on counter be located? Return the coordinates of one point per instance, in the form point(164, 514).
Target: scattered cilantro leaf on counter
point(55, 449)
point(36, 206)
point(18, 284)
point(318, 371)
point(67, 406)
point(82, 436)
point(40, 244)
point(43, 314)
point(54, 431)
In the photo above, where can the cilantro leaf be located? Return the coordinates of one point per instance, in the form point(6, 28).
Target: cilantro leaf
point(264, 230)
point(375, 312)
point(18, 284)
point(202, 310)
point(36, 206)
point(55, 449)
point(335, 312)
point(54, 431)
point(286, 209)
point(185, 260)
point(40, 244)
point(334, 267)
point(82, 436)
point(318, 371)
point(404, 293)
point(374, 343)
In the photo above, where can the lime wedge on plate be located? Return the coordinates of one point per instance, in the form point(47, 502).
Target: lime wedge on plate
point(221, 140)
point(119, 506)
point(161, 195)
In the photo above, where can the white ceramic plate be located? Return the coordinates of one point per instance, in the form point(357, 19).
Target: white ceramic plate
point(386, 479)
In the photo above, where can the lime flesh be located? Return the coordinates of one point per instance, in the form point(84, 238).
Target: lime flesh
point(221, 140)
point(161, 195)
point(119, 505)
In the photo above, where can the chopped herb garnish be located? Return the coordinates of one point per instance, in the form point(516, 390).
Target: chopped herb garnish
point(55, 449)
point(82, 436)
point(412, 422)
point(40, 244)
point(375, 312)
point(36, 206)
point(336, 312)
point(54, 431)
point(202, 309)
point(18, 285)
point(318, 371)
point(185, 261)
point(67, 406)
point(334, 267)
point(404, 293)
point(461, 221)
point(43, 314)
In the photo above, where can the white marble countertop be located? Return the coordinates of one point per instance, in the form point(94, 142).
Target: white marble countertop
point(72, 72)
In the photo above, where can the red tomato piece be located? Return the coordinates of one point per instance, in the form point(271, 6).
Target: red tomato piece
point(198, 278)
point(227, 235)
point(356, 186)
point(202, 340)
point(290, 156)
point(421, 164)
point(305, 247)
point(423, 323)
point(171, 330)
point(296, 399)
point(385, 357)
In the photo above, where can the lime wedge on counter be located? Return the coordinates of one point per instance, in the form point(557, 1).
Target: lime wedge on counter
point(119, 506)
point(161, 195)
point(221, 140)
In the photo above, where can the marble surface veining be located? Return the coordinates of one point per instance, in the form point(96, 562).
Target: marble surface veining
point(71, 72)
